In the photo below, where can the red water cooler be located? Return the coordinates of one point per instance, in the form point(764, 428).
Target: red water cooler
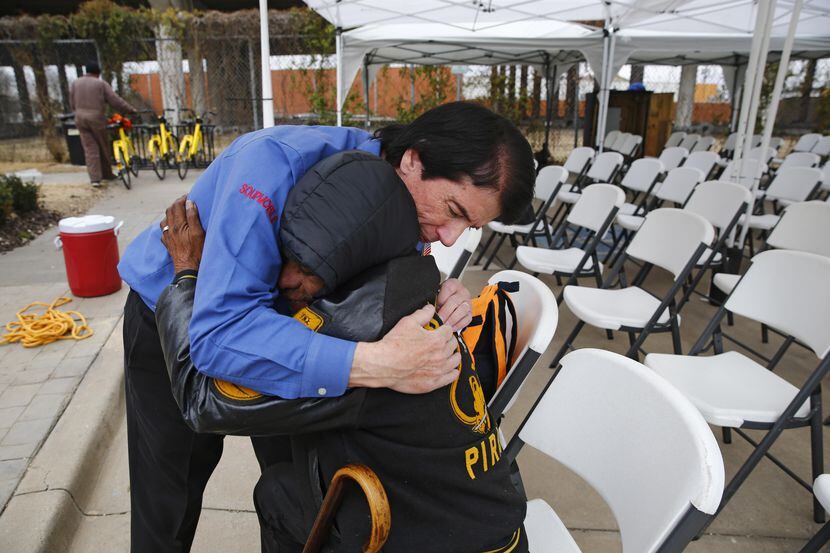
point(90, 250)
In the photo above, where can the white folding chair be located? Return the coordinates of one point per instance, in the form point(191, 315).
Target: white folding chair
point(618, 143)
point(604, 168)
point(631, 145)
point(722, 204)
point(825, 177)
point(452, 261)
point(748, 172)
point(673, 157)
point(611, 138)
point(641, 178)
point(822, 147)
point(676, 188)
point(674, 139)
point(704, 144)
point(548, 183)
point(578, 162)
point(537, 317)
point(729, 145)
point(800, 159)
point(705, 161)
point(689, 141)
point(756, 140)
point(775, 143)
point(807, 142)
point(733, 391)
point(790, 185)
point(669, 238)
point(803, 227)
point(594, 211)
point(636, 441)
point(821, 489)
point(766, 156)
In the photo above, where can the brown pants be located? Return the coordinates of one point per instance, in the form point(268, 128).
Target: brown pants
point(96, 142)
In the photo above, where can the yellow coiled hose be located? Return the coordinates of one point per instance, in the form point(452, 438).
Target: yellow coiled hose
point(36, 329)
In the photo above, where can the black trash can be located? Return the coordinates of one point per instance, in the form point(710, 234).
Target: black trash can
point(73, 142)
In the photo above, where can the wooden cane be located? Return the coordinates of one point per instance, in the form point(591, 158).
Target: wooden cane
point(379, 510)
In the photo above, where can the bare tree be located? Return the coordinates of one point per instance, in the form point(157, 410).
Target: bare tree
point(535, 105)
point(686, 97)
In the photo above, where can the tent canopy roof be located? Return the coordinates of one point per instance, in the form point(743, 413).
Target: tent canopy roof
point(704, 16)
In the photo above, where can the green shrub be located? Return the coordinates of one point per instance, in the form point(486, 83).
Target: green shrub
point(6, 201)
point(24, 194)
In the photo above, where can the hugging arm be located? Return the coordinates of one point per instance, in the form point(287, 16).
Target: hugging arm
point(210, 405)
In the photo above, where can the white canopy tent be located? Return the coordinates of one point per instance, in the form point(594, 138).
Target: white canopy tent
point(607, 32)
point(552, 43)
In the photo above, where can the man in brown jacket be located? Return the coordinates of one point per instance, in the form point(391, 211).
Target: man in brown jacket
point(88, 97)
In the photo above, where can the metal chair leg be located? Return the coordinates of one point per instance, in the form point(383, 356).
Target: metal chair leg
point(495, 251)
point(568, 341)
point(484, 249)
point(677, 344)
point(727, 435)
point(818, 540)
point(633, 353)
point(817, 449)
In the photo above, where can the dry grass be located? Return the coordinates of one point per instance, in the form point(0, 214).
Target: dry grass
point(25, 150)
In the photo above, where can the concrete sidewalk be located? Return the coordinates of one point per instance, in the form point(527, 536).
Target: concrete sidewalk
point(36, 384)
point(75, 492)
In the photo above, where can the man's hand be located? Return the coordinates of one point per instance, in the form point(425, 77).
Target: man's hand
point(454, 306)
point(409, 359)
point(182, 234)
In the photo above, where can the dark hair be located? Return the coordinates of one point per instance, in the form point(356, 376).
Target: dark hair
point(92, 68)
point(464, 139)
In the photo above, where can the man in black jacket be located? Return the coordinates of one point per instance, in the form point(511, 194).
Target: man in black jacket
point(437, 454)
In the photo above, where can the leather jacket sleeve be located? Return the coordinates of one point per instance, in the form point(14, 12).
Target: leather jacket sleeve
point(214, 406)
point(364, 310)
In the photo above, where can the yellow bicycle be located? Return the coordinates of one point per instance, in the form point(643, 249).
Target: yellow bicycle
point(161, 148)
point(192, 146)
point(123, 152)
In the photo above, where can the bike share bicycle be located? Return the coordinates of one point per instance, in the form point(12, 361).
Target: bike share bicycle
point(123, 151)
point(192, 147)
point(162, 146)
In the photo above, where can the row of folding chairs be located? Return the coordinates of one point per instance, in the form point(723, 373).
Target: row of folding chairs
point(705, 382)
point(692, 142)
point(807, 143)
point(675, 240)
point(627, 144)
point(796, 180)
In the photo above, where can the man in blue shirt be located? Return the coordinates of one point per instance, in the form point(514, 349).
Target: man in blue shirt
point(463, 166)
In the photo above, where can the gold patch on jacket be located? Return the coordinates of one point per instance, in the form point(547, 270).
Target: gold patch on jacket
point(235, 391)
point(309, 318)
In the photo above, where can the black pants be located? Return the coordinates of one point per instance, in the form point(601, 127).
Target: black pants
point(169, 463)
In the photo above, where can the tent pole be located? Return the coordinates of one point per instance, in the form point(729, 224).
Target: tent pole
point(599, 139)
point(338, 44)
point(783, 64)
point(749, 80)
point(366, 89)
point(763, 29)
point(607, 62)
point(737, 90)
point(772, 110)
point(265, 63)
point(576, 106)
point(548, 112)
